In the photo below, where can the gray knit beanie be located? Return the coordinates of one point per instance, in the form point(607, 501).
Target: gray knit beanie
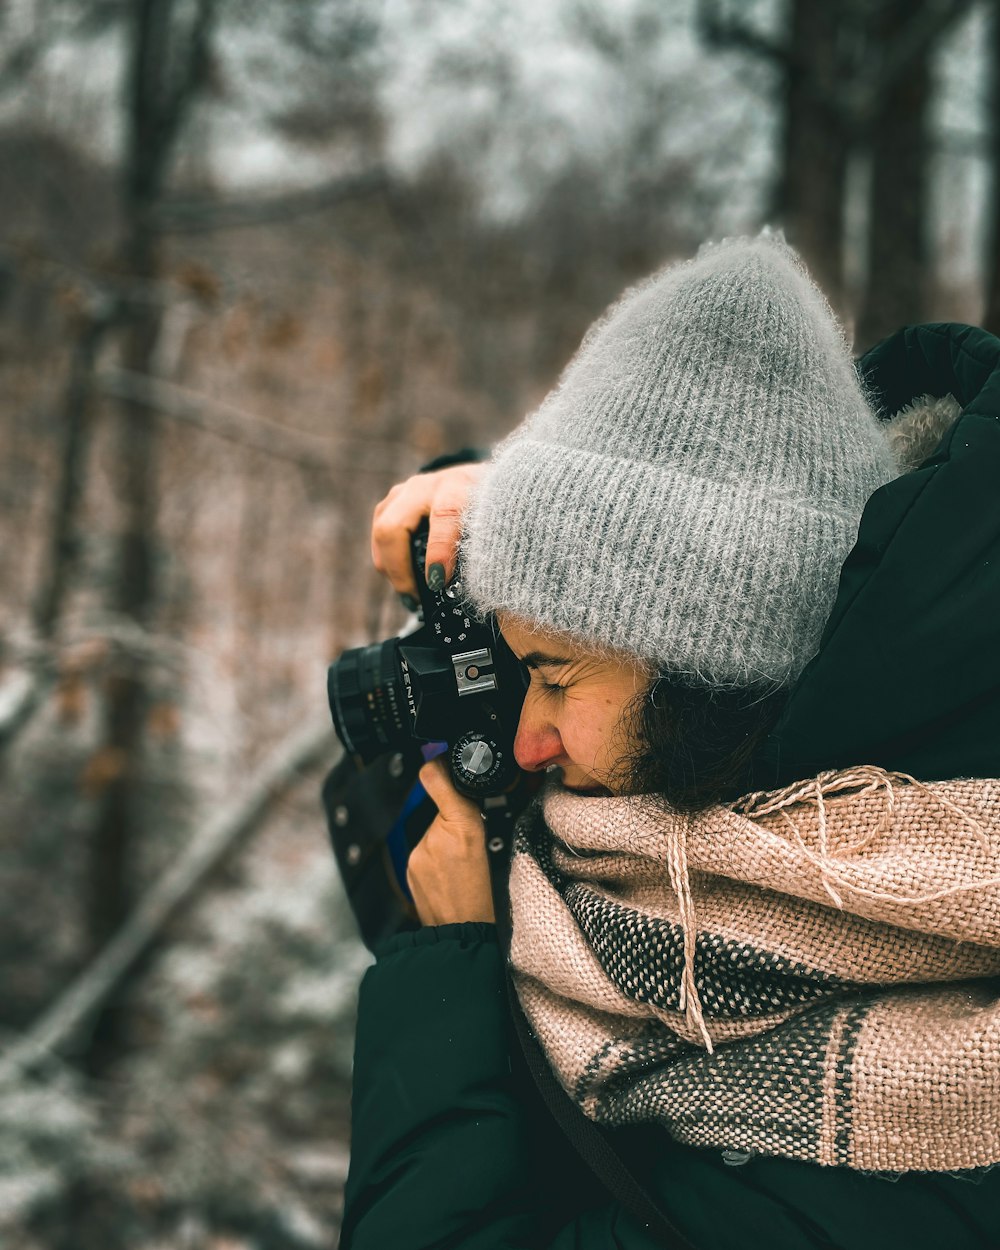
point(690, 489)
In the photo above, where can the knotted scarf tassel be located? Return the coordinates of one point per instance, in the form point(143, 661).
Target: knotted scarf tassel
point(680, 880)
point(865, 779)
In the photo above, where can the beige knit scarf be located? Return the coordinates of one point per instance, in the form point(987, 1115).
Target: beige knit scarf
point(813, 973)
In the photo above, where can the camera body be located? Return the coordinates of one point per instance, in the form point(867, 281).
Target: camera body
point(453, 680)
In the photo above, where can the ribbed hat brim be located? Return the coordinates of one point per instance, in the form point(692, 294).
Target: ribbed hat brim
point(665, 537)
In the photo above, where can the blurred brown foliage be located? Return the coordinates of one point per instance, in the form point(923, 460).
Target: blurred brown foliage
point(202, 399)
point(299, 368)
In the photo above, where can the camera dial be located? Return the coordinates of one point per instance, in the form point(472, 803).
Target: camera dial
point(453, 679)
point(478, 762)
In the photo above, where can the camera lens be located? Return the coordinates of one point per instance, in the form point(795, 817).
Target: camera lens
point(367, 700)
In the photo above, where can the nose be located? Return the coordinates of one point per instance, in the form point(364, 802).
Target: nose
point(537, 743)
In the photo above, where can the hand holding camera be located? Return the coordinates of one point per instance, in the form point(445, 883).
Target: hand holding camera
point(449, 873)
point(452, 688)
point(454, 680)
point(437, 498)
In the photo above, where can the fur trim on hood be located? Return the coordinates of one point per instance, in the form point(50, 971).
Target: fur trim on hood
point(916, 430)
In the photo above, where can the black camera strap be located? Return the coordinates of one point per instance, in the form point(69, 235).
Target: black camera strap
point(586, 1137)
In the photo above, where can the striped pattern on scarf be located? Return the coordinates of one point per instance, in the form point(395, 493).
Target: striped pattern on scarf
point(812, 973)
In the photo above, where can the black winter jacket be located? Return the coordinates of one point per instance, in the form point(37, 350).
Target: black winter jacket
point(450, 1145)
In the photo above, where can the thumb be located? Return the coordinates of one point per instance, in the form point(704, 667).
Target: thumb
point(435, 777)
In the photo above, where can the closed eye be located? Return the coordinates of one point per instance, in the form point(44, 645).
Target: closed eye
point(549, 686)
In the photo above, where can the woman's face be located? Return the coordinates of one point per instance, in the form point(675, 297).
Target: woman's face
point(573, 708)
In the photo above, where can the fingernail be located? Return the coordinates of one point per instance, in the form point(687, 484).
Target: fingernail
point(435, 577)
point(409, 602)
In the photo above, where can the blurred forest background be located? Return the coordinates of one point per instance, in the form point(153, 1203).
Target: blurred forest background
point(259, 261)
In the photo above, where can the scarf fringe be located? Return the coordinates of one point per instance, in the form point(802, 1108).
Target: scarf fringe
point(862, 780)
point(680, 881)
point(910, 1000)
point(832, 784)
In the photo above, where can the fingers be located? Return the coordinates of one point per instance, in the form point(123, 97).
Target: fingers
point(445, 519)
point(442, 498)
point(394, 520)
point(448, 870)
point(455, 808)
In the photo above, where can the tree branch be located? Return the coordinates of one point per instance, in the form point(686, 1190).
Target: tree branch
point(21, 693)
point(718, 31)
point(196, 216)
point(175, 889)
point(225, 420)
point(866, 100)
point(928, 22)
point(194, 73)
point(856, 102)
point(19, 63)
point(51, 25)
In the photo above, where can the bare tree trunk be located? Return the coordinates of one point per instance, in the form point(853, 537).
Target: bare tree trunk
point(63, 542)
point(991, 317)
point(133, 469)
point(857, 78)
point(898, 247)
point(815, 147)
point(64, 539)
point(164, 72)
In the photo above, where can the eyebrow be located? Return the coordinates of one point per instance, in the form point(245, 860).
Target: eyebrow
point(538, 659)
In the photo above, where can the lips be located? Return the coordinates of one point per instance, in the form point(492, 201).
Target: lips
point(555, 773)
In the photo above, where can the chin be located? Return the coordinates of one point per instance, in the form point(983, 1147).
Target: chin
point(589, 789)
point(592, 791)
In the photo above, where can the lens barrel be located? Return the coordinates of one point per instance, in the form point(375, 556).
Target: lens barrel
point(367, 700)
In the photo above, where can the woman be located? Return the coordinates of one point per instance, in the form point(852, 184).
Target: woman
point(749, 945)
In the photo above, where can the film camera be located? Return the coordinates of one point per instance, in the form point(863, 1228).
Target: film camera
point(451, 686)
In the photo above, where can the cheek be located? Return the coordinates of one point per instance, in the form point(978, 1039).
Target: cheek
point(590, 733)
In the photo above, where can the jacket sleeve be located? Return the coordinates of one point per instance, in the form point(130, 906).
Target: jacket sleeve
point(444, 1146)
